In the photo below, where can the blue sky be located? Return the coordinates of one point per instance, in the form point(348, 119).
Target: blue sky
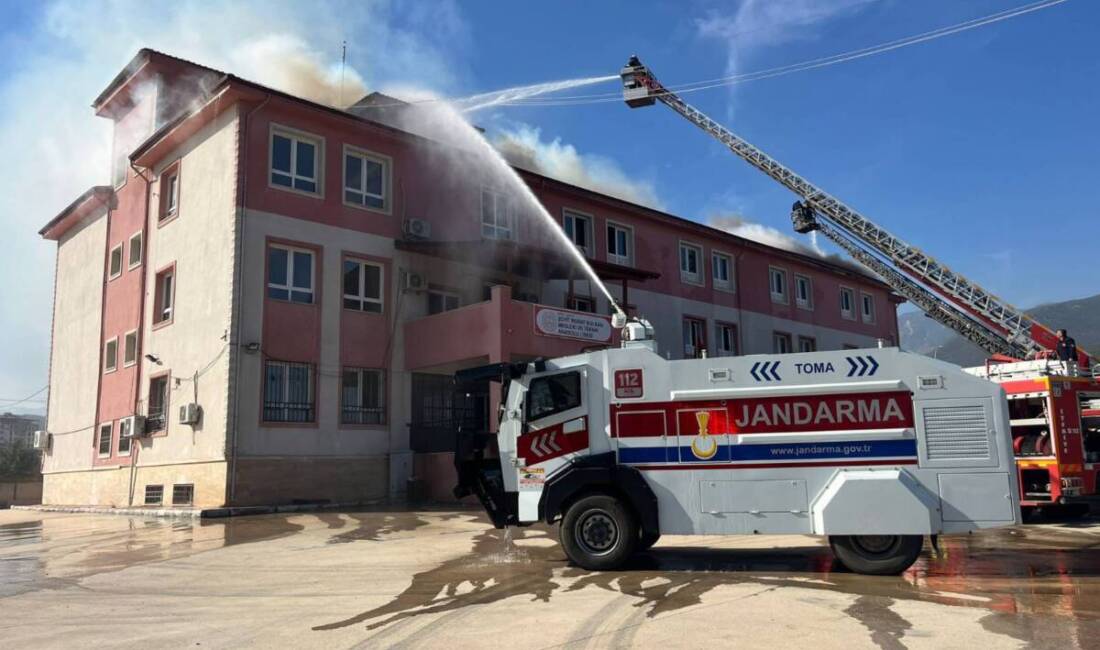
point(978, 147)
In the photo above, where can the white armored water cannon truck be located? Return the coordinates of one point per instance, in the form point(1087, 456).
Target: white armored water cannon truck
point(874, 449)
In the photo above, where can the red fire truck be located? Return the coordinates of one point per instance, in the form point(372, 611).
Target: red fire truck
point(1054, 412)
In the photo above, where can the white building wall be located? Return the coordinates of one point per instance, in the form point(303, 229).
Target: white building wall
point(199, 241)
point(74, 360)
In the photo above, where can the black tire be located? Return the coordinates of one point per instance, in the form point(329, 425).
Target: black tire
point(598, 532)
point(647, 540)
point(878, 555)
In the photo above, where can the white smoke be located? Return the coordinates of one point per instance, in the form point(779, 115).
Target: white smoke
point(760, 233)
point(70, 50)
point(524, 147)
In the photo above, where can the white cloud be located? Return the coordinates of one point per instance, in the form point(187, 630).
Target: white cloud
point(523, 146)
point(72, 49)
point(758, 24)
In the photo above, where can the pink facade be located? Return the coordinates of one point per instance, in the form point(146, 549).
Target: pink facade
point(441, 303)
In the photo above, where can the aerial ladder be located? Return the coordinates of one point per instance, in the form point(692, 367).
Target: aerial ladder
point(944, 295)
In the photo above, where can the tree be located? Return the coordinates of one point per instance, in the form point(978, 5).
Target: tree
point(17, 460)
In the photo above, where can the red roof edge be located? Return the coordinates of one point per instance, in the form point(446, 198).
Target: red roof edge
point(83, 205)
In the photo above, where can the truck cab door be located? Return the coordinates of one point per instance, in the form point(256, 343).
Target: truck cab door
point(554, 431)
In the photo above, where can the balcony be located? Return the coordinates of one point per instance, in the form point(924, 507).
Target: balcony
point(502, 329)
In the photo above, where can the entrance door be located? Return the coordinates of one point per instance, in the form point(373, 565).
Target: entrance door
point(439, 409)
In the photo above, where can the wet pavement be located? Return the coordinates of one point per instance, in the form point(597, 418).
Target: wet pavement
point(446, 579)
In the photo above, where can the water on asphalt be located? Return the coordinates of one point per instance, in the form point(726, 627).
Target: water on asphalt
point(1037, 584)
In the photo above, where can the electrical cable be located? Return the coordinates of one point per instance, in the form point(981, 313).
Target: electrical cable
point(205, 369)
point(768, 73)
point(811, 64)
point(28, 398)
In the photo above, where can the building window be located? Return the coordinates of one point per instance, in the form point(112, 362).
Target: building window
point(363, 396)
point(183, 494)
point(725, 340)
point(294, 161)
point(781, 342)
point(803, 292)
point(164, 296)
point(695, 338)
point(620, 244)
point(156, 415)
point(581, 303)
point(110, 355)
point(868, 310)
point(722, 271)
point(290, 274)
point(135, 249)
point(115, 268)
point(578, 228)
point(363, 286)
point(777, 279)
point(104, 442)
point(288, 392)
point(125, 436)
point(689, 263)
point(366, 180)
point(847, 303)
point(807, 344)
point(154, 495)
point(130, 348)
point(496, 215)
point(169, 193)
point(440, 301)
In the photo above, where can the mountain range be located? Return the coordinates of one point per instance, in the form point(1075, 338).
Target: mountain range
point(1081, 318)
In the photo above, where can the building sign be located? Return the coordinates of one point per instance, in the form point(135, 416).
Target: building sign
point(572, 325)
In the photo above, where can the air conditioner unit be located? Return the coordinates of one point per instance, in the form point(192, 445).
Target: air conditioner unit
point(41, 440)
point(132, 427)
point(414, 281)
point(190, 413)
point(417, 229)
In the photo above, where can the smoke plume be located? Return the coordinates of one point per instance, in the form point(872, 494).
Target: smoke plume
point(524, 147)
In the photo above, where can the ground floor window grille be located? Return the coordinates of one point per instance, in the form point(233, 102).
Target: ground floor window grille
point(154, 495)
point(183, 494)
point(288, 392)
point(363, 396)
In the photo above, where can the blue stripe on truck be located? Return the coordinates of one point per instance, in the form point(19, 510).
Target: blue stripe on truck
point(777, 453)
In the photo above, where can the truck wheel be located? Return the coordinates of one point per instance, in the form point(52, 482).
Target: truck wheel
point(647, 540)
point(877, 555)
point(598, 533)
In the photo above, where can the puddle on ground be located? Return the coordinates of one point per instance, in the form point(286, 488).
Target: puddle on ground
point(59, 550)
point(1018, 575)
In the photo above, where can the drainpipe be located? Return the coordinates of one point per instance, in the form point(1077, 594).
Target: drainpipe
point(236, 325)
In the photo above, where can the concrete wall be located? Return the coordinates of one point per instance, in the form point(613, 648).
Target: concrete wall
point(110, 486)
point(355, 479)
point(21, 492)
point(74, 359)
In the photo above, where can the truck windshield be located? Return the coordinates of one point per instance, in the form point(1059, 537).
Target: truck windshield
point(553, 394)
